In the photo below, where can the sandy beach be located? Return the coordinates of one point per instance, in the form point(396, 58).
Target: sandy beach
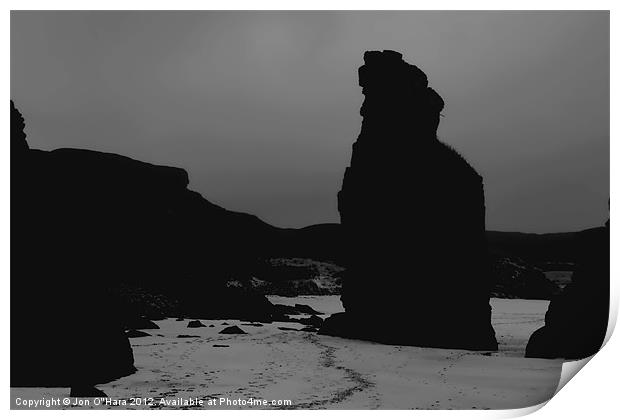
point(273, 368)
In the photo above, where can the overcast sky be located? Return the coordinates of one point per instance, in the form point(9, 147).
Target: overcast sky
point(262, 108)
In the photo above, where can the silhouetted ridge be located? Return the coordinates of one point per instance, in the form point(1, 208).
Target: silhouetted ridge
point(413, 215)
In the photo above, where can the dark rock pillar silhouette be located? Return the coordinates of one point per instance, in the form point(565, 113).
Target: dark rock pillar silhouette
point(413, 215)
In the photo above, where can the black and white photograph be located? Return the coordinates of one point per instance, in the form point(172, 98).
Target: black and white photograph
point(306, 209)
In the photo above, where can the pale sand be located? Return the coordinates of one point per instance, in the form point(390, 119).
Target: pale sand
point(314, 371)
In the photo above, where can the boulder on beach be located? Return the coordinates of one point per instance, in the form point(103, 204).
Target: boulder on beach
point(195, 324)
point(279, 317)
point(306, 309)
point(313, 320)
point(136, 334)
point(232, 330)
point(412, 212)
point(141, 323)
point(576, 320)
point(85, 391)
point(281, 312)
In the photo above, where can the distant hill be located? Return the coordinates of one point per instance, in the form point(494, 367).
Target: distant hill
point(324, 241)
point(320, 242)
point(522, 265)
point(538, 249)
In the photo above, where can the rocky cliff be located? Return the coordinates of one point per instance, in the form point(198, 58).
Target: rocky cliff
point(63, 330)
point(86, 224)
point(412, 210)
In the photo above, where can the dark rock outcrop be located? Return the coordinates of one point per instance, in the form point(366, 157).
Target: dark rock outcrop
point(136, 334)
point(412, 210)
point(513, 278)
point(576, 320)
point(313, 321)
point(86, 392)
point(135, 302)
point(286, 309)
point(306, 309)
point(60, 264)
point(282, 318)
point(295, 276)
point(99, 239)
point(298, 309)
point(141, 323)
point(195, 324)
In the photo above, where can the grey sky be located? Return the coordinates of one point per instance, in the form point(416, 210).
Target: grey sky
point(261, 108)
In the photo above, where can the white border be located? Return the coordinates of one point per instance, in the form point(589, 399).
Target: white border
point(593, 394)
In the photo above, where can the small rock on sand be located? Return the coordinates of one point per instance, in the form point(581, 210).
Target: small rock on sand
point(306, 309)
point(84, 391)
point(232, 330)
point(195, 324)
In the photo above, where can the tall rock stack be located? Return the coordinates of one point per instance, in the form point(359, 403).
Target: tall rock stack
point(413, 215)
